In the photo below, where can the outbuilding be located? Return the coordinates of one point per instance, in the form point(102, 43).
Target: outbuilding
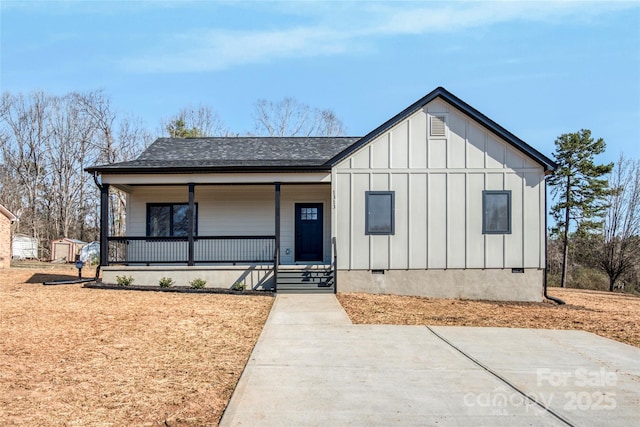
point(66, 249)
point(24, 247)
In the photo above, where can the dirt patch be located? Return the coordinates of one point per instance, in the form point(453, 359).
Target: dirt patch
point(614, 316)
point(88, 357)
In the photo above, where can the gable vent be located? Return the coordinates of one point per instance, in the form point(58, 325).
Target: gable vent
point(438, 126)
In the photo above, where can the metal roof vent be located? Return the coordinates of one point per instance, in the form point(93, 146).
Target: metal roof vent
point(438, 126)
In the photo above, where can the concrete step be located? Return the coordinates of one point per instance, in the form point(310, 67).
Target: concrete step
point(305, 273)
point(305, 281)
point(305, 291)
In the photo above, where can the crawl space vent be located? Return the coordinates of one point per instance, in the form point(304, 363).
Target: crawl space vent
point(437, 126)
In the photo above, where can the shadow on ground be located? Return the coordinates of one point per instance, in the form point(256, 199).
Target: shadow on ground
point(41, 278)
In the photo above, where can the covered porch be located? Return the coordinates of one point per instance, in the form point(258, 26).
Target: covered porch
point(266, 235)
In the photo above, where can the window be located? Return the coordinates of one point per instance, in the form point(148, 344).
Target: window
point(308, 214)
point(379, 212)
point(167, 219)
point(496, 207)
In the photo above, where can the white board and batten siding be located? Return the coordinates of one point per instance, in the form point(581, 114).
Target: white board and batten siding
point(438, 176)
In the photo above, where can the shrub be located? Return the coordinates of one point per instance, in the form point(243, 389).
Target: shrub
point(588, 278)
point(166, 282)
point(94, 259)
point(124, 280)
point(197, 283)
point(239, 286)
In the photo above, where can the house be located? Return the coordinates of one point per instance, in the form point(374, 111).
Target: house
point(6, 219)
point(438, 201)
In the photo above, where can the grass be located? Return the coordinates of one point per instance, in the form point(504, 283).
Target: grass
point(71, 356)
point(611, 315)
point(86, 357)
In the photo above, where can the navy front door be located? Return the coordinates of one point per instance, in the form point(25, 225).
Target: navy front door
point(308, 232)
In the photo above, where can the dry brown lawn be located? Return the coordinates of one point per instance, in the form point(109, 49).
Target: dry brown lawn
point(614, 316)
point(85, 357)
point(71, 356)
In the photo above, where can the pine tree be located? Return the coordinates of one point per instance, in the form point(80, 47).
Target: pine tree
point(579, 187)
point(178, 129)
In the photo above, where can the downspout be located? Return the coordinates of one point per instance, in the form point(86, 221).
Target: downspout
point(546, 257)
point(95, 180)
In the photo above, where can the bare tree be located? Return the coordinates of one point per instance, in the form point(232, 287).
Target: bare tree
point(132, 139)
point(45, 144)
point(25, 131)
point(291, 117)
point(65, 180)
point(115, 142)
point(620, 248)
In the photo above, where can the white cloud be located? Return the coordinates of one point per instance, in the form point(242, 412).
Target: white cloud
point(219, 49)
point(340, 29)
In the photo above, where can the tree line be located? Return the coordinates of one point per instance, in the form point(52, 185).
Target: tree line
point(46, 141)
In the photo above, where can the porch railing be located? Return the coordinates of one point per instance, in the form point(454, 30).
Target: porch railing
point(207, 249)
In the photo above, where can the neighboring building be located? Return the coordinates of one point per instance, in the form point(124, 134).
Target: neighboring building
point(438, 201)
point(66, 249)
point(6, 219)
point(24, 247)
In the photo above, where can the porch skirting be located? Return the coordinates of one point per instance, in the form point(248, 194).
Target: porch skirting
point(490, 284)
point(256, 277)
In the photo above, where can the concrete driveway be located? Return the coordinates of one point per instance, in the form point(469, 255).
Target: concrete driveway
point(312, 367)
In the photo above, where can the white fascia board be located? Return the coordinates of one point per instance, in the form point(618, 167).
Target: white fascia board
point(213, 178)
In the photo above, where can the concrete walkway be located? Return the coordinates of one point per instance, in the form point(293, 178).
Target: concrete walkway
point(312, 367)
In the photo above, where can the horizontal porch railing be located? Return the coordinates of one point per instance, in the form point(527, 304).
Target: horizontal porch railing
point(206, 249)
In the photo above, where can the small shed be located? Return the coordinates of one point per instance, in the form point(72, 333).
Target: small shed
point(24, 247)
point(66, 249)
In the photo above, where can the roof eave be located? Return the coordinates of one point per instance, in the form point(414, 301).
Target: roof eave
point(207, 169)
point(10, 216)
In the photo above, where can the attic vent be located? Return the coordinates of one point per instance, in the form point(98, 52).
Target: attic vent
point(438, 126)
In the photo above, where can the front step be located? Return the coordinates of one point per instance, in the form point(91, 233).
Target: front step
point(319, 280)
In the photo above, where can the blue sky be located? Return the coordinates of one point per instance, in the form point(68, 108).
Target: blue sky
point(540, 68)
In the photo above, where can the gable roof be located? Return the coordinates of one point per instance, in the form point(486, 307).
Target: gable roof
point(255, 154)
point(233, 154)
point(440, 92)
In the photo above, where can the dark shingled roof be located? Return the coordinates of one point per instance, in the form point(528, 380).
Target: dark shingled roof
point(234, 153)
point(248, 154)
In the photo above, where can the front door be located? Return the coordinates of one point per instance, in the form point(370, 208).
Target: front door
point(308, 232)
